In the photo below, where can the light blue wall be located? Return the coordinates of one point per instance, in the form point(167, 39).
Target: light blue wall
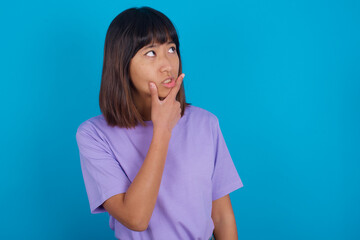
point(282, 77)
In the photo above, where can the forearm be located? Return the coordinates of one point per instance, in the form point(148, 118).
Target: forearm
point(141, 196)
point(226, 229)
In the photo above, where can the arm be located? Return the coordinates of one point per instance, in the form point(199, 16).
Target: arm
point(135, 207)
point(224, 219)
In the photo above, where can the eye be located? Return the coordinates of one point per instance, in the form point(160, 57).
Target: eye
point(173, 49)
point(150, 53)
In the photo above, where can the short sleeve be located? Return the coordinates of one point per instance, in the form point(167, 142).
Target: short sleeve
point(102, 173)
point(225, 178)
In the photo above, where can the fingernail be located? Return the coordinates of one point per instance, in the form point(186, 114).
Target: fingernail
point(152, 85)
point(183, 75)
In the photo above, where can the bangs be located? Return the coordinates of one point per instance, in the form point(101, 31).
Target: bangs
point(151, 27)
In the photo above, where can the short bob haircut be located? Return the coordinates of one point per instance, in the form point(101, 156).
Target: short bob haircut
point(130, 31)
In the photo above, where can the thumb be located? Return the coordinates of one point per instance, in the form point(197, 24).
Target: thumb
point(154, 93)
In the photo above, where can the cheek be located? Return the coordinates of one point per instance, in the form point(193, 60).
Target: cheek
point(175, 64)
point(139, 73)
point(143, 75)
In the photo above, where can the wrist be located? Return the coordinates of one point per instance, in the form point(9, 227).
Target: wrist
point(162, 132)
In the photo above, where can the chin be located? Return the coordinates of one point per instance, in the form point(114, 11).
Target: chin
point(162, 95)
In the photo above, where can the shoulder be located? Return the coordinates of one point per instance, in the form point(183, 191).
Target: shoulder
point(92, 133)
point(199, 115)
point(93, 124)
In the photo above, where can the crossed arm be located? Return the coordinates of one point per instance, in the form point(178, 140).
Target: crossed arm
point(224, 219)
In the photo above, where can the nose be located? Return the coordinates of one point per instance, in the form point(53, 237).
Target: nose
point(165, 64)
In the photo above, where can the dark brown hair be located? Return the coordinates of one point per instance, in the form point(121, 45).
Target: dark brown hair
point(130, 31)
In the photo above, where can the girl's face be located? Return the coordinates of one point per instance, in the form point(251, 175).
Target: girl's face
point(154, 63)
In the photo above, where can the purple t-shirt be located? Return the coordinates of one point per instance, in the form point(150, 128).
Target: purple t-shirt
point(198, 170)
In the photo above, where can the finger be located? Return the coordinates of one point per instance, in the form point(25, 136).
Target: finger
point(177, 86)
point(154, 93)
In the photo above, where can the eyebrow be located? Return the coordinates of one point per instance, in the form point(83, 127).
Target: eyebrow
point(155, 45)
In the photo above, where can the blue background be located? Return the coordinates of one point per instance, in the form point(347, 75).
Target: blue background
point(281, 76)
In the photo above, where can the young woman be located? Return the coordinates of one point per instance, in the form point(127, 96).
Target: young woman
point(158, 165)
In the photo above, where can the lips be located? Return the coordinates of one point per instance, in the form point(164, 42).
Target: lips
point(168, 83)
point(168, 80)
